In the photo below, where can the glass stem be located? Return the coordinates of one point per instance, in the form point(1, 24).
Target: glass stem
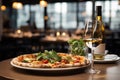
point(92, 59)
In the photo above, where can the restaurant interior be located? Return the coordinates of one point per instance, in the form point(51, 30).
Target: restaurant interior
point(31, 26)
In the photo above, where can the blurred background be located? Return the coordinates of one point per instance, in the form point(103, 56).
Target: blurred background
point(30, 26)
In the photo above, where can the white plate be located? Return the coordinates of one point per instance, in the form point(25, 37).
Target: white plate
point(50, 69)
point(108, 59)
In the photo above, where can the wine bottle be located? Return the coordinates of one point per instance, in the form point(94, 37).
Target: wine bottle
point(99, 19)
point(100, 32)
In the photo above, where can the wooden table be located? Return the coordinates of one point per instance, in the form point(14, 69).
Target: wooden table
point(108, 72)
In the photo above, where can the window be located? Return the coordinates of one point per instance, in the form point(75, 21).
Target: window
point(30, 15)
point(65, 15)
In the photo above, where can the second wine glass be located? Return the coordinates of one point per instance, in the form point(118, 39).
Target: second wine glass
point(92, 38)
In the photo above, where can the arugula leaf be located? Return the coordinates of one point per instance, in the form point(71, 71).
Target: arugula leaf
point(25, 61)
point(39, 56)
point(51, 56)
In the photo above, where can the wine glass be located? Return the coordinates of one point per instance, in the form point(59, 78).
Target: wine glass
point(92, 38)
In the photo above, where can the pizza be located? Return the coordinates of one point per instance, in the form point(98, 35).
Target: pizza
point(50, 59)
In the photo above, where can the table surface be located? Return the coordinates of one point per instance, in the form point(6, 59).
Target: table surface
point(108, 72)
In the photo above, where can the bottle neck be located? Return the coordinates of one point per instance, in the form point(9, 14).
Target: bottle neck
point(99, 18)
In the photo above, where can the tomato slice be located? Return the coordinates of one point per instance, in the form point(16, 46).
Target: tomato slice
point(45, 61)
point(64, 61)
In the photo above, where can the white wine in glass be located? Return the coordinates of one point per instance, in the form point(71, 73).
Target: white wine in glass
point(92, 38)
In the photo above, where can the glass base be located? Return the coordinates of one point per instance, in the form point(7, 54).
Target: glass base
point(94, 71)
